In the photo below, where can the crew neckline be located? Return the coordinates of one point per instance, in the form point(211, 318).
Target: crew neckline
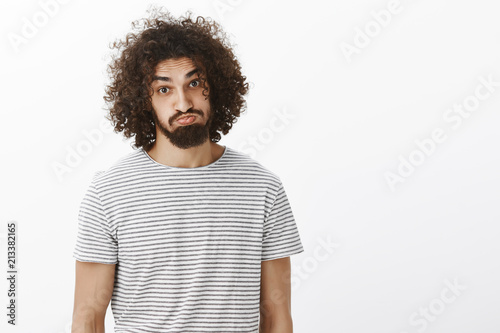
point(187, 169)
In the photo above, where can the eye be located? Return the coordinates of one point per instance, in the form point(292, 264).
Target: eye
point(162, 91)
point(195, 82)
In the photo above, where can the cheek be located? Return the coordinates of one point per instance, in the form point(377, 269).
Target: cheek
point(155, 100)
point(202, 102)
point(161, 109)
point(159, 104)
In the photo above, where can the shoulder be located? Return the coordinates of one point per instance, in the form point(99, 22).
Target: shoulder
point(120, 170)
point(249, 165)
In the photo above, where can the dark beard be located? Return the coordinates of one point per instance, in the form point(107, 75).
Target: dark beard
point(188, 136)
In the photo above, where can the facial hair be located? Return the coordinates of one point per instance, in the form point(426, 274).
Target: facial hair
point(187, 136)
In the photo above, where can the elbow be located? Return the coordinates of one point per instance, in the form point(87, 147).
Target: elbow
point(87, 322)
point(83, 326)
point(276, 324)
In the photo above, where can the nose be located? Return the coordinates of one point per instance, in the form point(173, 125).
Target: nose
point(183, 101)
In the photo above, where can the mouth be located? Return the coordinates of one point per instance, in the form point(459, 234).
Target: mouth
point(186, 120)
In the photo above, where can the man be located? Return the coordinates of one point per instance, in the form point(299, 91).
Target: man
point(183, 234)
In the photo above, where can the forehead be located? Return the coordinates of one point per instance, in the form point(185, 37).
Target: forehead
point(171, 66)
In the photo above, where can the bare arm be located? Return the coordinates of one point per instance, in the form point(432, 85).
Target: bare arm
point(275, 297)
point(94, 284)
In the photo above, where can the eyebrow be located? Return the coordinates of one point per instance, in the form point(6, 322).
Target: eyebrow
point(167, 79)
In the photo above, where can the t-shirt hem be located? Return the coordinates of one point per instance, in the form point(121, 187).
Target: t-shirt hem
point(99, 261)
point(282, 255)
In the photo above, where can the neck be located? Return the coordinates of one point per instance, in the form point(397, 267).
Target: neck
point(165, 153)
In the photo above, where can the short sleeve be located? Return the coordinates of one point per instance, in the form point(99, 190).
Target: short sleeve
point(281, 236)
point(95, 241)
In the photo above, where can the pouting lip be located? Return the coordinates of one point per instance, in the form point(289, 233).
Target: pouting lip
point(192, 115)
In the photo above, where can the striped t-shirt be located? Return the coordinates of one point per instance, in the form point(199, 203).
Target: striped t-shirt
point(187, 242)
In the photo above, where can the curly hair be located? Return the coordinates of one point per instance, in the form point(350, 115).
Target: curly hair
point(162, 37)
